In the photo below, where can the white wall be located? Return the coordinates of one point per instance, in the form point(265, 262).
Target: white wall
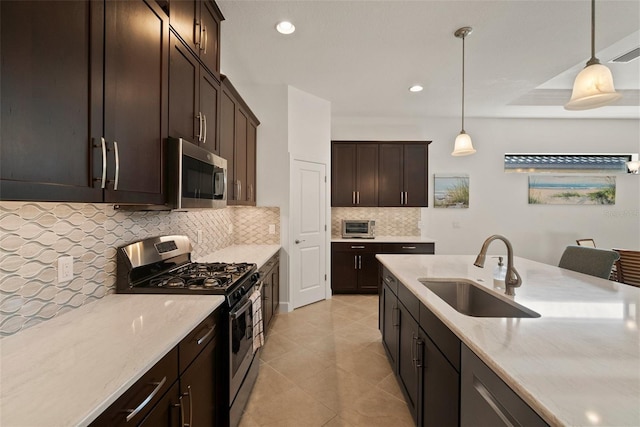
point(499, 201)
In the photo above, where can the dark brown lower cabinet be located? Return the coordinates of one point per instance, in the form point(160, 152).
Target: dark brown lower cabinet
point(388, 323)
point(270, 276)
point(200, 396)
point(408, 360)
point(487, 401)
point(167, 412)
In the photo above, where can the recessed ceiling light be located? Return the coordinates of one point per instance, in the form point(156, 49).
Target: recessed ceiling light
point(416, 88)
point(285, 27)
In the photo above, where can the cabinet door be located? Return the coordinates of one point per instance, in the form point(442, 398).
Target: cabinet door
point(199, 388)
point(251, 163)
point(391, 175)
point(368, 274)
point(416, 174)
point(185, 20)
point(275, 283)
point(344, 272)
point(440, 387)
point(389, 324)
point(136, 107)
point(367, 174)
point(227, 138)
point(51, 109)
point(408, 369)
point(209, 46)
point(183, 92)
point(167, 411)
point(209, 101)
point(343, 174)
point(267, 298)
point(240, 157)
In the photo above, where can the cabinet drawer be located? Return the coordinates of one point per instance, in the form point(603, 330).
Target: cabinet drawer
point(356, 247)
point(389, 280)
point(407, 248)
point(143, 395)
point(197, 340)
point(409, 300)
point(448, 343)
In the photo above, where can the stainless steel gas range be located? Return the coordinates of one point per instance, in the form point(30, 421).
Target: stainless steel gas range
point(163, 265)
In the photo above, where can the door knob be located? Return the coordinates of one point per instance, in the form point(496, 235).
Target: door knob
point(299, 241)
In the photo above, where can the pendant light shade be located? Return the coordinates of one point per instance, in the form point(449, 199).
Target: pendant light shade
point(593, 86)
point(463, 145)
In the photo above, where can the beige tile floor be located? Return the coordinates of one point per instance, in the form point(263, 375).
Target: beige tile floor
point(324, 365)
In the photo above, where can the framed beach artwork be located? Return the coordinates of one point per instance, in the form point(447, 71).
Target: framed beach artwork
point(572, 190)
point(451, 191)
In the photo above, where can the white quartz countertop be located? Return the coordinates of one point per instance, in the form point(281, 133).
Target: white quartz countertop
point(259, 254)
point(388, 239)
point(68, 370)
point(576, 365)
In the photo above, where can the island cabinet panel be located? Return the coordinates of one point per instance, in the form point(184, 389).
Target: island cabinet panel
point(354, 268)
point(487, 400)
point(354, 179)
point(408, 358)
point(238, 138)
point(388, 322)
point(84, 101)
point(194, 96)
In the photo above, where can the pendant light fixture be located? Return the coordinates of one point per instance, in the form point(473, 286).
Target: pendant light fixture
point(593, 86)
point(463, 145)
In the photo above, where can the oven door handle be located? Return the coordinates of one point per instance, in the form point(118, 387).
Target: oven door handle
point(243, 308)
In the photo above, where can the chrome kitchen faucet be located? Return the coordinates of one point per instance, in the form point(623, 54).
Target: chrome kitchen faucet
point(512, 279)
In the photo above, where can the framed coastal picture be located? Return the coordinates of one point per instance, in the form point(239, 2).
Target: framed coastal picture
point(572, 190)
point(451, 191)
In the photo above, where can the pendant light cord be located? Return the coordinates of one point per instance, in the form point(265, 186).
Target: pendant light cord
point(463, 84)
point(593, 59)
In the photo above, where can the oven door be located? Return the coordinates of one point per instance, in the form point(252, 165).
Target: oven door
point(240, 344)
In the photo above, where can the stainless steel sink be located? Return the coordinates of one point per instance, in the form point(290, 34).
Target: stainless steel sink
point(470, 299)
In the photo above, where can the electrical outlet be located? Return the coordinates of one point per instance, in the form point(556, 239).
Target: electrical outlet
point(65, 269)
point(420, 225)
point(199, 238)
point(272, 229)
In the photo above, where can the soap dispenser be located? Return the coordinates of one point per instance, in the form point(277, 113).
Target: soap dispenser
point(499, 274)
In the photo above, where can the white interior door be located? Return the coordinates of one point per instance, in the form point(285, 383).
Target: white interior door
point(308, 234)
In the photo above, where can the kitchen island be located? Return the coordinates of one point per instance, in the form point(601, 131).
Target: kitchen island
point(576, 364)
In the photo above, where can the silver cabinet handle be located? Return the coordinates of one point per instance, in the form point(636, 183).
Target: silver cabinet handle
point(190, 406)
point(199, 117)
point(103, 178)
point(203, 339)
point(239, 190)
point(353, 197)
point(402, 197)
point(357, 197)
point(145, 402)
point(406, 197)
point(357, 247)
point(197, 33)
point(420, 350)
point(355, 262)
point(389, 279)
point(117, 153)
point(206, 38)
point(204, 117)
point(359, 262)
point(408, 247)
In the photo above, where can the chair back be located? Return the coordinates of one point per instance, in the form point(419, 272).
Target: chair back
point(628, 267)
point(591, 261)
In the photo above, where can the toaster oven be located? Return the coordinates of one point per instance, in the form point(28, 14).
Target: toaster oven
point(358, 228)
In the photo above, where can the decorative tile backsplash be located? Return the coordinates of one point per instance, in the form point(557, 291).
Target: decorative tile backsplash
point(389, 221)
point(34, 235)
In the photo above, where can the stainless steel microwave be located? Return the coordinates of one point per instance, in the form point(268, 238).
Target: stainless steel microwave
point(196, 178)
point(358, 228)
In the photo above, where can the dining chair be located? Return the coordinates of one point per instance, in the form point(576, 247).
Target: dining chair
point(586, 242)
point(591, 261)
point(628, 267)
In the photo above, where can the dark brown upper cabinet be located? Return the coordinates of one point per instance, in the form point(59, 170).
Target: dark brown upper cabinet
point(238, 133)
point(385, 174)
point(84, 105)
point(197, 23)
point(403, 174)
point(354, 174)
point(194, 98)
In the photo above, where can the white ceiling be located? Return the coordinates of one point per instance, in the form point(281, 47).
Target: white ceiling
point(362, 56)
